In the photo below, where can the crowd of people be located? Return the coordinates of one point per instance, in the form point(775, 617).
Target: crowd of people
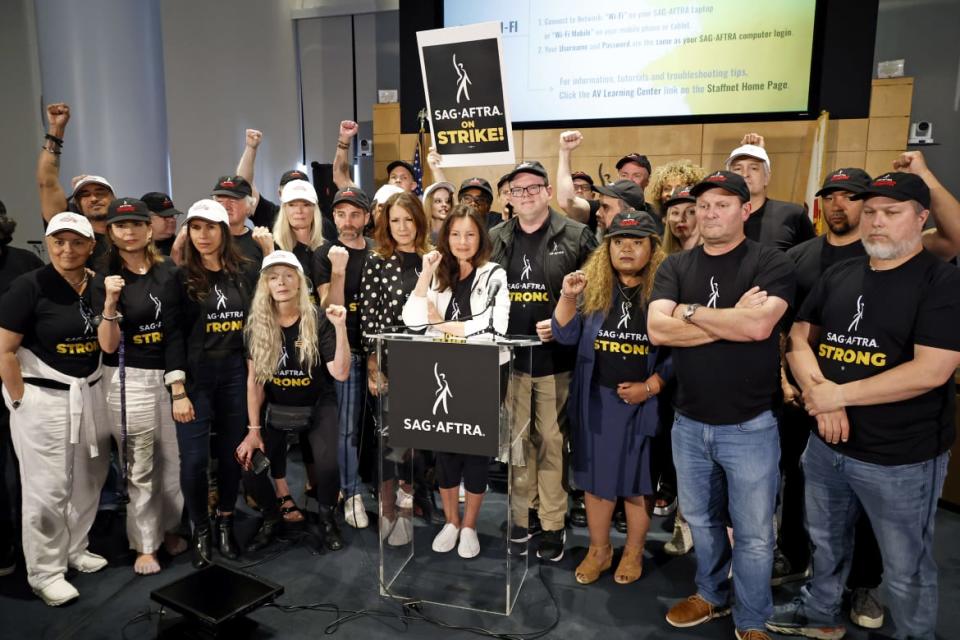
point(788, 397)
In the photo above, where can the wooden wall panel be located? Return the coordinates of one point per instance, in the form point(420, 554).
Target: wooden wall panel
point(888, 133)
point(891, 97)
point(847, 135)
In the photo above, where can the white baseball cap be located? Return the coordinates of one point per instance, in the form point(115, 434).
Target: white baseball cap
point(281, 257)
point(383, 193)
point(90, 180)
point(298, 190)
point(69, 221)
point(749, 150)
point(209, 210)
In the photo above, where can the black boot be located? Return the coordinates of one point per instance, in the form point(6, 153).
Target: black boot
point(201, 544)
point(331, 532)
point(265, 535)
point(578, 512)
point(226, 541)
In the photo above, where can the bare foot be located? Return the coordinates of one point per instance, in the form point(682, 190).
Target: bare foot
point(146, 564)
point(173, 544)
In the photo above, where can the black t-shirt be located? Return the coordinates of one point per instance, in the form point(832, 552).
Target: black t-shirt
point(100, 248)
point(351, 284)
point(726, 382)
point(410, 265)
point(165, 246)
point(15, 262)
point(291, 385)
point(459, 306)
point(869, 322)
point(530, 300)
point(56, 323)
point(815, 256)
point(621, 347)
point(141, 303)
point(248, 247)
point(778, 224)
point(224, 315)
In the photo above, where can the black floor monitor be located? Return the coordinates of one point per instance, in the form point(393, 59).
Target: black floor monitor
point(214, 600)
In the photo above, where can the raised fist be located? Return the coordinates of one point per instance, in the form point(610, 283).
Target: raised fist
point(570, 140)
point(348, 129)
point(754, 139)
point(573, 283)
point(430, 261)
point(58, 114)
point(254, 138)
point(911, 162)
point(338, 259)
point(337, 315)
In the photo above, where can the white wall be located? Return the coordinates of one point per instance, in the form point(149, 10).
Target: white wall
point(21, 124)
point(229, 66)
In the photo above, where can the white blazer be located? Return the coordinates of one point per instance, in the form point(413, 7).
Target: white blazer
point(415, 309)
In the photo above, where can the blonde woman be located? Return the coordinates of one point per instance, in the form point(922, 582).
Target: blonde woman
point(287, 341)
point(299, 225)
point(613, 394)
point(667, 177)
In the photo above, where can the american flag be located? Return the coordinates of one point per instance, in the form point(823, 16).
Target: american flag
point(417, 166)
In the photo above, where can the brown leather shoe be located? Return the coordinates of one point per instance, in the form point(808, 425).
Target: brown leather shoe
point(752, 634)
point(693, 611)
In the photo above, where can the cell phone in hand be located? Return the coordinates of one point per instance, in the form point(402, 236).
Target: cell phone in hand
point(259, 462)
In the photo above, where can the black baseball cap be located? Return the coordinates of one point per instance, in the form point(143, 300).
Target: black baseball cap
point(399, 163)
point(626, 190)
point(639, 158)
point(528, 166)
point(124, 209)
point(850, 179)
point(680, 194)
point(899, 186)
point(160, 204)
point(476, 183)
point(631, 222)
point(505, 178)
point(293, 174)
point(353, 195)
point(233, 187)
point(727, 180)
point(581, 175)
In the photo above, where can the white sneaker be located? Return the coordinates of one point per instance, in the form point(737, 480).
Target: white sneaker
point(446, 540)
point(87, 562)
point(402, 532)
point(355, 513)
point(404, 499)
point(58, 592)
point(469, 543)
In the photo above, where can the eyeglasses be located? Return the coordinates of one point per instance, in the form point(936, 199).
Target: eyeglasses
point(469, 199)
point(532, 190)
point(582, 188)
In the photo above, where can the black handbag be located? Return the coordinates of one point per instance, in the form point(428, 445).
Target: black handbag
point(288, 418)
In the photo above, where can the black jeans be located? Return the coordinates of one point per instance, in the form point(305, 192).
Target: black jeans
point(219, 398)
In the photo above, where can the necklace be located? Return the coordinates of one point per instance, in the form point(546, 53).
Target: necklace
point(628, 298)
point(80, 282)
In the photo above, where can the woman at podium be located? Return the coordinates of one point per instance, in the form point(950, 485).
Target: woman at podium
point(452, 298)
point(613, 404)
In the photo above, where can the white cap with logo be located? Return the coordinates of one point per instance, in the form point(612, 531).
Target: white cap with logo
point(298, 190)
point(69, 221)
point(285, 258)
point(209, 210)
point(85, 180)
point(751, 151)
point(383, 193)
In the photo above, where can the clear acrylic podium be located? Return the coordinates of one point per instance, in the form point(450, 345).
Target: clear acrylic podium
point(446, 395)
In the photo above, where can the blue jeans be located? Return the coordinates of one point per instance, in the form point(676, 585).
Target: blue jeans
point(729, 474)
point(349, 412)
point(901, 502)
point(219, 397)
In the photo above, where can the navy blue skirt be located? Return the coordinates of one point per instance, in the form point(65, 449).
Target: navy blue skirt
point(610, 459)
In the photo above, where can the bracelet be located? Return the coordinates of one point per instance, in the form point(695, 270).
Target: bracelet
point(110, 319)
point(567, 296)
point(49, 150)
point(55, 139)
point(179, 396)
point(255, 428)
point(342, 145)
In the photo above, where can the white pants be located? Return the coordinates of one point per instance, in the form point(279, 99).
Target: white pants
point(153, 458)
point(61, 482)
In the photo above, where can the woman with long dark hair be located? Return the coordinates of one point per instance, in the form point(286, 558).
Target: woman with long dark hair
point(216, 286)
point(451, 297)
point(134, 295)
point(294, 354)
point(613, 406)
point(50, 366)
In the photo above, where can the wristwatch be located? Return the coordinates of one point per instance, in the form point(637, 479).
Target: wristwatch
point(688, 313)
